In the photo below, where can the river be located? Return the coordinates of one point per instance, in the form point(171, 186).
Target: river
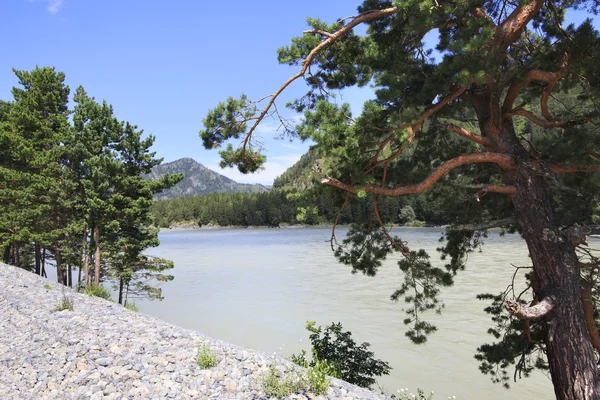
point(257, 287)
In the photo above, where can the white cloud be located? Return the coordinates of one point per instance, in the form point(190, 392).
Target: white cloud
point(54, 6)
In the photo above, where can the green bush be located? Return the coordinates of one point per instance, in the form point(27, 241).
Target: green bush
point(276, 385)
point(347, 360)
point(206, 357)
point(130, 305)
point(318, 376)
point(314, 379)
point(65, 303)
point(47, 287)
point(98, 291)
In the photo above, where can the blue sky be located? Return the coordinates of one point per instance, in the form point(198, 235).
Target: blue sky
point(163, 65)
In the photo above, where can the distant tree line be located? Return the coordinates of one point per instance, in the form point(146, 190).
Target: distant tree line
point(283, 206)
point(72, 194)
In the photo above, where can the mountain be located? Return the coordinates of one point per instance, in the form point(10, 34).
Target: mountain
point(199, 180)
point(307, 172)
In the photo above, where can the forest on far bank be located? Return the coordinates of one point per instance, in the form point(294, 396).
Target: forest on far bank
point(285, 207)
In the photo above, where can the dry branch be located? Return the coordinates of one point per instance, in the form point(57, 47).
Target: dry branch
point(532, 312)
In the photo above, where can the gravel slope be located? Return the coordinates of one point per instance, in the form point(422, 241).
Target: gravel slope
point(102, 351)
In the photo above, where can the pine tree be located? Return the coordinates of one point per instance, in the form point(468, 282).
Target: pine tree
point(459, 128)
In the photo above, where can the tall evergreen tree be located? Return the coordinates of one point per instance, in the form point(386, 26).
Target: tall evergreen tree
point(503, 66)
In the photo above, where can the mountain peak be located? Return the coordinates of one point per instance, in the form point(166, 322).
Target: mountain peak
point(198, 180)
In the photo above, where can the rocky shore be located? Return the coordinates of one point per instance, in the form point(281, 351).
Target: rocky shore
point(100, 350)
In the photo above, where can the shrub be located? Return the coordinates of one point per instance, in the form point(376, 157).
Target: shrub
point(314, 379)
point(65, 303)
point(351, 362)
point(98, 291)
point(276, 385)
point(318, 376)
point(47, 287)
point(206, 357)
point(130, 305)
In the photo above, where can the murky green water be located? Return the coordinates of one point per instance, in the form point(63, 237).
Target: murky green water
point(257, 287)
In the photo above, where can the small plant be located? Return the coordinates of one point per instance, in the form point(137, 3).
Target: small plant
point(206, 357)
point(47, 287)
point(318, 376)
point(420, 395)
point(130, 305)
point(276, 385)
point(98, 291)
point(350, 361)
point(66, 303)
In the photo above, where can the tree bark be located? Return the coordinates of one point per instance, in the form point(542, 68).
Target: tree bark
point(556, 273)
point(38, 259)
point(44, 263)
point(121, 290)
point(69, 276)
point(60, 273)
point(16, 257)
point(7, 250)
point(97, 257)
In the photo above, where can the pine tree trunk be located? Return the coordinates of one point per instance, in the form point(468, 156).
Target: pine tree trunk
point(556, 273)
point(121, 290)
point(44, 263)
point(16, 257)
point(38, 259)
point(60, 275)
point(97, 257)
point(69, 276)
point(84, 259)
point(7, 254)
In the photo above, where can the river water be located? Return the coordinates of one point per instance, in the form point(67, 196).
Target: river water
point(257, 287)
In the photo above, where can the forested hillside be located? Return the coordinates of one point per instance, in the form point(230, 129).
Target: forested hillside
point(198, 180)
point(296, 198)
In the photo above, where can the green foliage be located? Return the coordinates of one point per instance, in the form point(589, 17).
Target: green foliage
point(98, 291)
point(277, 384)
point(71, 177)
point(65, 303)
point(47, 287)
point(318, 376)
point(335, 353)
point(130, 305)
point(280, 382)
point(206, 357)
point(308, 215)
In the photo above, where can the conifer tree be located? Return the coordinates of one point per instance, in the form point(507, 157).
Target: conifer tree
point(458, 126)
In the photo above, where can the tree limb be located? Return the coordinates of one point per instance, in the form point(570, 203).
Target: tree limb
point(318, 32)
point(512, 27)
point(364, 17)
point(532, 312)
point(551, 78)
point(588, 312)
point(545, 124)
point(469, 135)
point(504, 161)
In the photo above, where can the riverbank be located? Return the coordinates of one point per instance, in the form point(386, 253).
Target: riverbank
point(100, 350)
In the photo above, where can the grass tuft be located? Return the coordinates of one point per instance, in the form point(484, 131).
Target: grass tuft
point(206, 357)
